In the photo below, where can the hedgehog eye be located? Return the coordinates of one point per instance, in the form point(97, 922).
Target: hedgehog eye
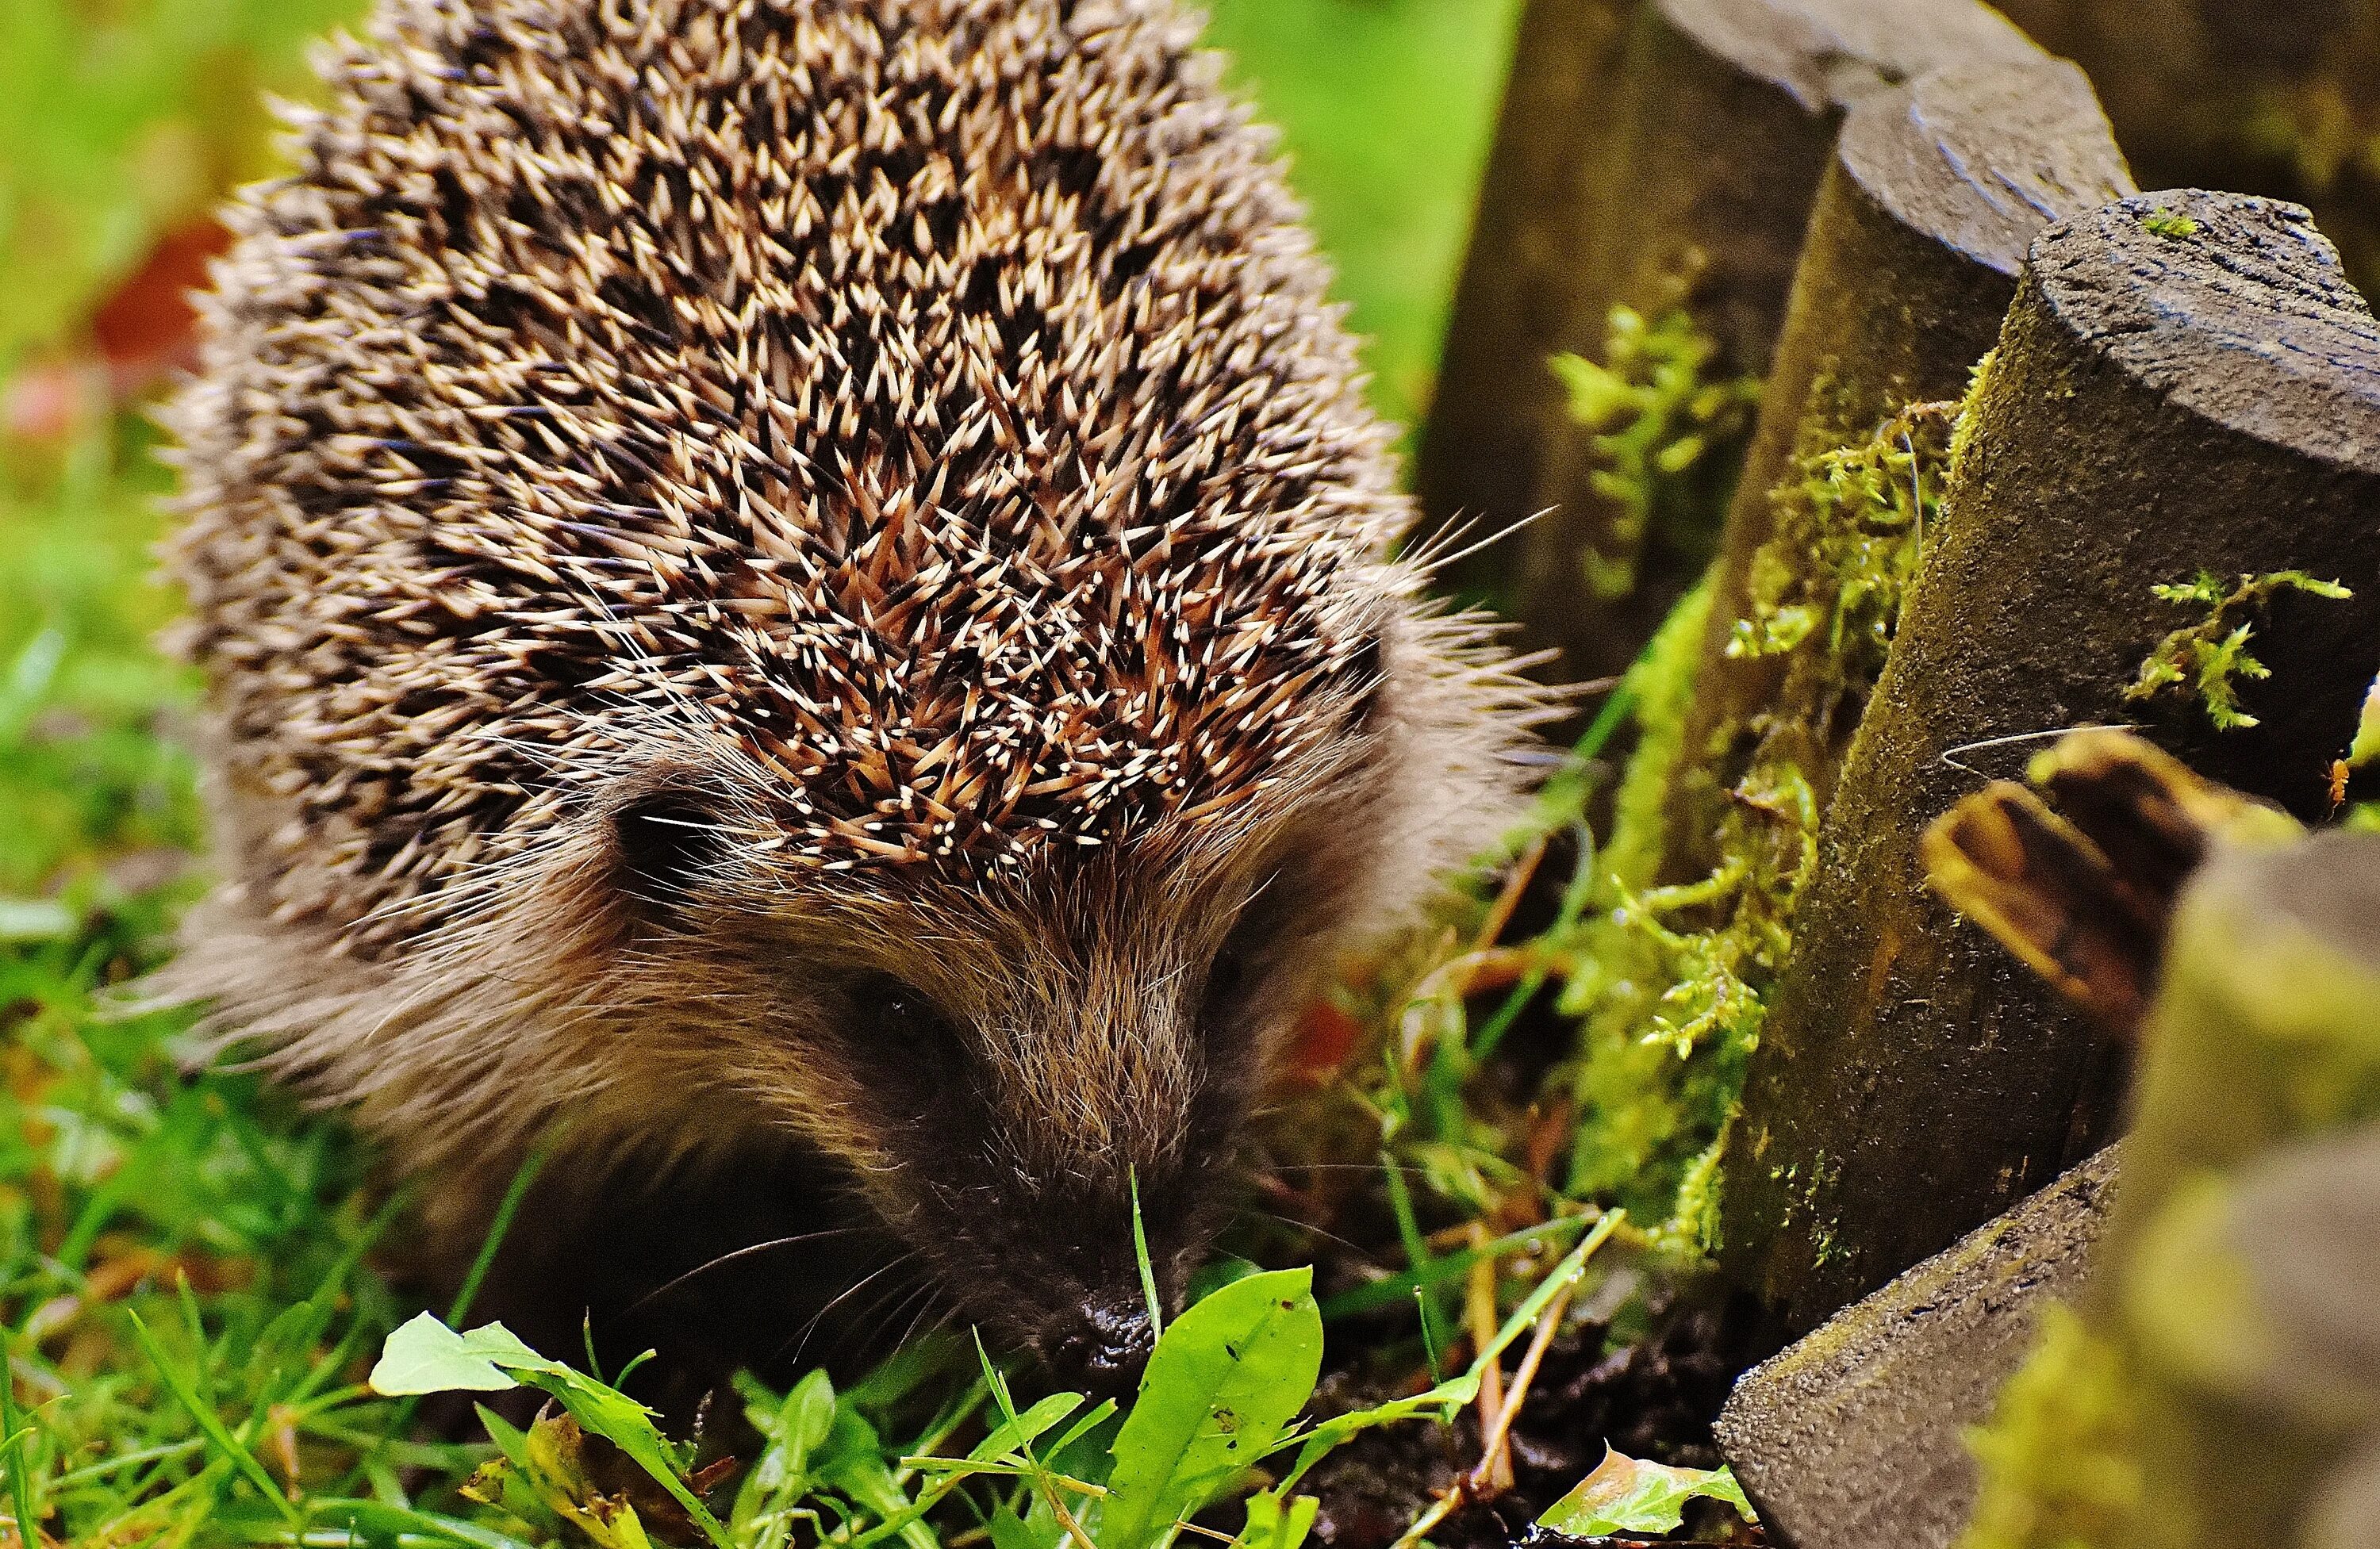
point(668, 843)
point(1239, 963)
point(894, 1015)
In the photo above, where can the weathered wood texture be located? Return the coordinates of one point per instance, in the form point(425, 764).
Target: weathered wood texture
point(2185, 383)
point(2234, 1286)
point(1935, 191)
point(2280, 97)
point(1854, 1437)
point(1655, 155)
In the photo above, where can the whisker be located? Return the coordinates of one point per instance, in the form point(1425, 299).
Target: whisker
point(730, 1257)
point(1312, 1231)
point(846, 1295)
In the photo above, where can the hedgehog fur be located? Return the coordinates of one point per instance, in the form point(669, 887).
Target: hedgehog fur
point(807, 567)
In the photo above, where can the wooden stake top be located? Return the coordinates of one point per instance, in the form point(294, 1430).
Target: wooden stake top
point(1979, 156)
point(2231, 307)
point(1831, 52)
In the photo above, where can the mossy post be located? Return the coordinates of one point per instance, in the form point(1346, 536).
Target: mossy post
point(1658, 157)
point(1935, 190)
point(2185, 383)
point(2223, 1368)
point(2281, 97)
point(2233, 1294)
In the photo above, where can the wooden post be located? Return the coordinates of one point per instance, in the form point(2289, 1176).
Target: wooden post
point(1538, 202)
point(1659, 156)
point(1854, 1438)
point(2185, 383)
point(1934, 193)
point(2281, 97)
point(2224, 1363)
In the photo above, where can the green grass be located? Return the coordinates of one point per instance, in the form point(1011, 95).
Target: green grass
point(195, 1276)
point(1384, 107)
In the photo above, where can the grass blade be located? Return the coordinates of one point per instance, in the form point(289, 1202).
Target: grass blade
point(210, 1422)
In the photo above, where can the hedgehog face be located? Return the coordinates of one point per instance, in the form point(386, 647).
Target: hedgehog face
point(1001, 1062)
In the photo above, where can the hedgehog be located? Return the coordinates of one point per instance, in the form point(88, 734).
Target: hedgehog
point(805, 590)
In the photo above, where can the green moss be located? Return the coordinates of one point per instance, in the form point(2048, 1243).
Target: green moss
point(2165, 223)
point(1671, 981)
point(1655, 418)
point(1670, 999)
point(1661, 686)
point(2056, 1460)
point(2210, 657)
point(1848, 529)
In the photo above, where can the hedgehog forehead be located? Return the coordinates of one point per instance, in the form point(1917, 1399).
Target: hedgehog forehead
point(986, 708)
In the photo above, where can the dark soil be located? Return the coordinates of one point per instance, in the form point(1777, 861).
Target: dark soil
point(1653, 1399)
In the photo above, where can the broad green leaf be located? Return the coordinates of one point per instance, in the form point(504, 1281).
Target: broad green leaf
point(425, 1356)
point(1629, 1496)
point(1224, 1381)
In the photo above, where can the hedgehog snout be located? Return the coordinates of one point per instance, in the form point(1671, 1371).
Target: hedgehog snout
point(1099, 1344)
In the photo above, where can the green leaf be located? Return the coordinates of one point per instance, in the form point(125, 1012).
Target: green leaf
point(1319, 1442)
point(1224, 1381)
point(627, 1425)
point(793, 1427)
point(374, 1522)
point(2366, 746)
point(425, 1356)
point(1271, 1527)
point(1629, 1496)
point(1011, 1531)
point(1013, 1437)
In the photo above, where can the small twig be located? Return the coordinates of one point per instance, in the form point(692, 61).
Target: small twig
point(1508, 900)
point(1481, 1308)
point(1494, 1474)
point(1450, 982)
point(1437, 1512)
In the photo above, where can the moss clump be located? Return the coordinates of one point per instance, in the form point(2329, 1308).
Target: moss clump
point(2057, 1463)
point(2210, 657)
point(2165, 223)
point(1671, 988)
point(1849, 529)
point(1655, 418)
point(1668, 980)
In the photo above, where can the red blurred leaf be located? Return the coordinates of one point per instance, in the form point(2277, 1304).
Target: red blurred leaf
point(1325, 1037)
point(147, 325)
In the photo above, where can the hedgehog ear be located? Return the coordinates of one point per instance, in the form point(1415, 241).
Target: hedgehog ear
point(665, 843)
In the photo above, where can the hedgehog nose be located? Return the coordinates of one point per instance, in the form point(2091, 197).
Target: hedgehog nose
point(1101, 1345)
